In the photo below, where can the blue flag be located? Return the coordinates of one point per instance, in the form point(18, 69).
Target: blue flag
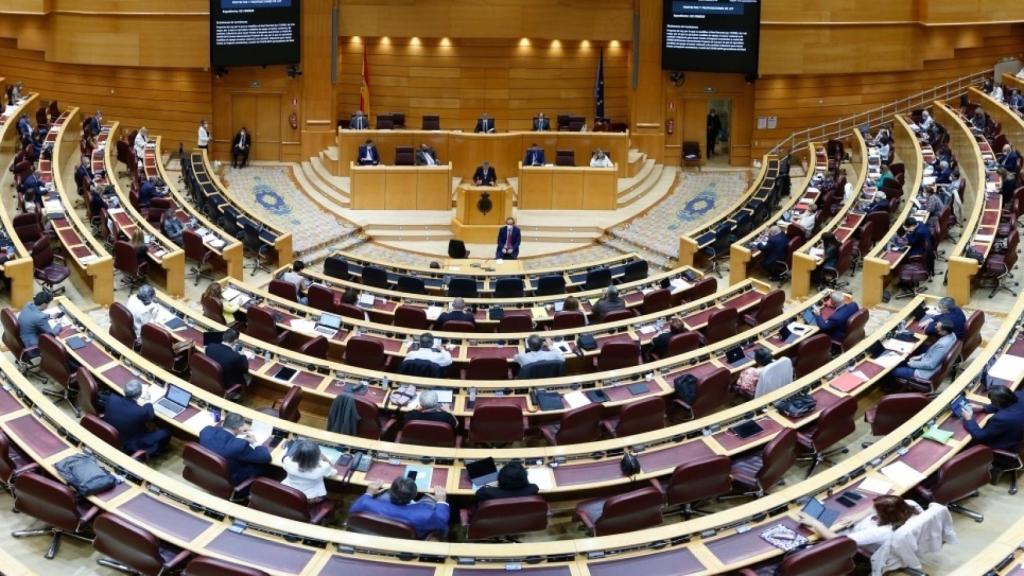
point(599, 88)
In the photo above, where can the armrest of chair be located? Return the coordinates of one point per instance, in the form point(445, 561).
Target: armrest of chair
point(236, 392)
point(178, 560)
point(89, 515)
point(747, 572)
point(31, 467)
point(387, 427)
point(139, 455)
point(243, 487)
point(655, 483)
point(60, 258)
point(464, 517)
point(609, 425)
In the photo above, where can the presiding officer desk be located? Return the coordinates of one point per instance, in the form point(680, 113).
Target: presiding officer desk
point(389, 187)
point(18, 266)
point(552, 187)
point(713, 544)
point(465, 151)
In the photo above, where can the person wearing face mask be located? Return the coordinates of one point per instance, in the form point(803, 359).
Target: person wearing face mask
point(509, 238)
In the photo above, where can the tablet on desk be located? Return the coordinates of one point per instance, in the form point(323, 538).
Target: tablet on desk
point(746, 429)
point(824, 514)
point(809, 317)
point(286, 374)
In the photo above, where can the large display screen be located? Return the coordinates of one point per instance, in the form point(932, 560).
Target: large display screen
point(254, 32)
point(711, 35)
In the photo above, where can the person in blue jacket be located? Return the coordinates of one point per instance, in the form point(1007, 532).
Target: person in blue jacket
point(917, 236)
point(1005, 430)
point(132, 421)
point(774, 251)
point(951, 313)
point(424, 515)
point(232, 442)
point(843, 308)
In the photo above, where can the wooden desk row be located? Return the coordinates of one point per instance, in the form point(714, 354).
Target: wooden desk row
point(228, 250)
point(388, 187)
point(466, 150)
point(568, 188)
point(18, 267)
point(706, 545)
point(216, 194)
point(1003, 557)
point(753, 200)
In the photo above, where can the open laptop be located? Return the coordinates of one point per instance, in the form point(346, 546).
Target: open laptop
point(173, 403)
point(328, 324)
point(482, 472)
point(735, 356)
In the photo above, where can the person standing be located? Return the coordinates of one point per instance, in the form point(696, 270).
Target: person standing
point(714, 129)
point(204, 135)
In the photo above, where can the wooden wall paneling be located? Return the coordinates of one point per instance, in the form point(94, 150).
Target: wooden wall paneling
point(272, 81)
point(946, 12)
point(648, 100)
point(816, 11)
point(318, 117)
point(689, 106)
point(267, 140)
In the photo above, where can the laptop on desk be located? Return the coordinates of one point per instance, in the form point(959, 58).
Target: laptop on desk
point(736, 357)
point(482, 472)
point(328, 324)
point(173, 403)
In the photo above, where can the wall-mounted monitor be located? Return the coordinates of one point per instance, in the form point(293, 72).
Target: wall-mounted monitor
point(254, 32)
point(711, 35)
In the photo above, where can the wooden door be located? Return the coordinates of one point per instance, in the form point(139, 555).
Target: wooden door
point(267, 139)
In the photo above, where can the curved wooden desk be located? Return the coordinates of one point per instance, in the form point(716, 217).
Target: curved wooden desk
point(18, 268)
point(385, 187)
point(1003, 557)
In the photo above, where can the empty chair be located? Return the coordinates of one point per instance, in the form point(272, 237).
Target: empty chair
point(284, 290)
point(261, 324)
point(336, 267)
point(578, 425)
point(122, 325)
point(598, 278)
point(287, 408)
point(462, 288)
point(128, 263)
point(57, 506)
point(550, 285)
point(431, 122)
point(457, 249)
point(316, 347)
point(209, 471)
point(505, 517)
point(892, 411)
point(834, 424)
point(635, 510)
point(88, 398)
point(130, 548)
point(638, 416)
point(411, 317)
point(691, 155)
point(55, 364)
point(681, 343)
point(635, 270)
point(322, 298)
point(754, 475)
point(275, 498)
point(769, 307)
point(811, 354)
point(371, 424)
point(375, 277)
point(494, 368)
point(508, 288)
point(958, 479)
point(565, 158)
point(364, 352)
point(385, 122)
point(655, 301)
point(410, 284)
point(404, 155)
point(712, 393)
point(428, 433)
point(48, 269)
point(215, 567)
point(614, 355)
point(108, 434)
point(832, 556)
point(496, 424)
point(1011, 461)
point(721, 325)
point(972, 335)
point(196, 251)
point(697, 481)
point(701, 289)
point(160, 347)
point(207, 374)
point(13, 463)
point(516, 321)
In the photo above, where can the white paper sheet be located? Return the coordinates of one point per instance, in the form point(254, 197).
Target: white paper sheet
point(902, 475)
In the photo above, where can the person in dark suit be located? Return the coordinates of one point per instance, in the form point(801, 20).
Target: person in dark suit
point(92, 124)
point(951, 313)
point(843, 307)
point(918, 237)
point(513, 482)
point(240, 149)
point(774, 251)
point(131, 421)
point(234, 366)
point(359, 121)
point(509, 238)
point(148, 190)
point(714, 125)
point(659, 345)
point(534, 156)
point(458, 312)
point(426, 156)
point(232, 443)
point(541, 123)
point(1005, 430)
point(33, 322)
point(879, 204)
point(484, 124)
point(368, 155)
point(430, 410)
point(485, 175)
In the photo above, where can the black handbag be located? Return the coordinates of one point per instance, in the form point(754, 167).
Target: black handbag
point(629, 465)
point(84, 475)
point(797, 406)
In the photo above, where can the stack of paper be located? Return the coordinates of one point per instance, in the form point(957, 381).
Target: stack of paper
point(1008, 367)
point(542, 476)
point(260, 431)
point(874, 485)
point(576, 398)
point(198, 421)
point(889, 359)
point(678, 285)
point(898, 346)
point(433, 312)
point(302, 325)
point(902, 474)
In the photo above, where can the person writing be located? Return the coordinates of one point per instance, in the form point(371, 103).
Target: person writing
point(368, 155)
point(240, 149)
point(306, 467)
point(425, 515)
point(485, 175)
point(509, 239)
point(233, 442)
point(33, 322)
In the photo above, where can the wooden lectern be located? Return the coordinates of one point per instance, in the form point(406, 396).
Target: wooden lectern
point(480, 211)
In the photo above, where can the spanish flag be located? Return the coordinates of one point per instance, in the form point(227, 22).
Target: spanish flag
point(364, 88)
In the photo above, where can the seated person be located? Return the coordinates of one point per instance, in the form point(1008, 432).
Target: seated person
point(746, 384)
point(228, 307)
point(34, 322)
point(172, 227)
point(301, 283)
point(425, 515)
point(600, 160)
point(572, 304)
point(880, 203)
point(232, 441)
point(368, 154)
point(431, 410)
point(1005, 430)
point(538, 350)
point(943, 174)
point(513, 482)
point(484, 124)
point(541, 123)
point(240, 149)
point(608, 303)
point(774, 251)
point(659, 345)
point(809, 220)
point(924, 366)
point(458, 311)
point(148, 190)
point(886, 175)
point(843, 307)
point(485, 175)
point(234, 365)
point(351, 297)
point(534, 156)
point(948, 312)
point(93, 124)
point(426, 156)
point(306, 467)
point(425, 350)
point(829, 257)
point(359, 121)
point(132, 421)
point(143, 307)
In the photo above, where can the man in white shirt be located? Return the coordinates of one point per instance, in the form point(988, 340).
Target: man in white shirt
point(203, 138)
point(537, 352)
point(143, 307)
point(141, 139)
point(295, 277)
point(808, 220)
point(426, 351)
point(600, 160)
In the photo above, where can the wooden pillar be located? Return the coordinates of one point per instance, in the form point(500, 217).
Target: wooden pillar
point(647, 106)
point(319, 43)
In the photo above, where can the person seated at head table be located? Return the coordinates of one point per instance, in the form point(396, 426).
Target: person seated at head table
point(1005, 429)
point(513, 482)
point(949, 312)
point(843, 307)
point(609, 302)
point(924, 366)
point(359, 121)
point(34, 322)
point(484, 124)
point(132, 420)
point(300, 282)
point(233, 442)
point(774, 250)
point(143, 307)
point(600, 159)
point(234, 366)
point(228, 307)
point(426, 156)
point(172, 227)
point(541, 123)
point(534, 156)
point(431, 410)
point(306, 467)
point(485, 175)
point(426, 515)
point(458, 311)
point(538, 350)
point(368, 154)
point(659, 344)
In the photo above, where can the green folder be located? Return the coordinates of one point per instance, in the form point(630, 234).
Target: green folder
point(937, 434)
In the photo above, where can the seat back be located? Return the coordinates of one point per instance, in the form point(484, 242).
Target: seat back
point(431, 122)
point(410, 284)
point(125, 258)
point(581, 424)
point(500, 423)
point(285, 290)
point(895, 409)
point(770, 306)
point(315, 347)
point(487, 369)
point(721, 325)
point(193, 244)
point(206, 373)
point(369, 419)
point(420, 367)
point(712, 392)
point(47, 500)
point(617, 315)
point(411, 317)
point(826, 558)
point(374, 276)
point(835, 423)
point(12, 332)
point(7, 464)
point(698, 480)
point(631, 511)
point(684, 342)
point(957, 478)
point(614, 355)
point(213, 309)
point(640, 416)
point(458, 326)
point(215, 567)
point(157, 345)
point(404, 155)
point(811, 354)
point(701, 289)
point(565, 158)
point(427, 433)
point(545, 369)
point(568, 319)
point(272, 497)
point(508, 288)
point(207, 470)
point(122, 324)
point(102, 430)
point(259, 323)
point(855, 326)
point(54, 359)
point(972, 333)
point(457, 249)
point(635, 270)
point(126, 542)
point(289, 408)
point(365, 523)
point(777, 458)
point(550, 285)
point(507, 516)
point(462, 287)
point(336, 267)
point(364, 352)
point(322, 298)
point(598, 278)
point(656, 301)
point(516, 321)
point(88, 398)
